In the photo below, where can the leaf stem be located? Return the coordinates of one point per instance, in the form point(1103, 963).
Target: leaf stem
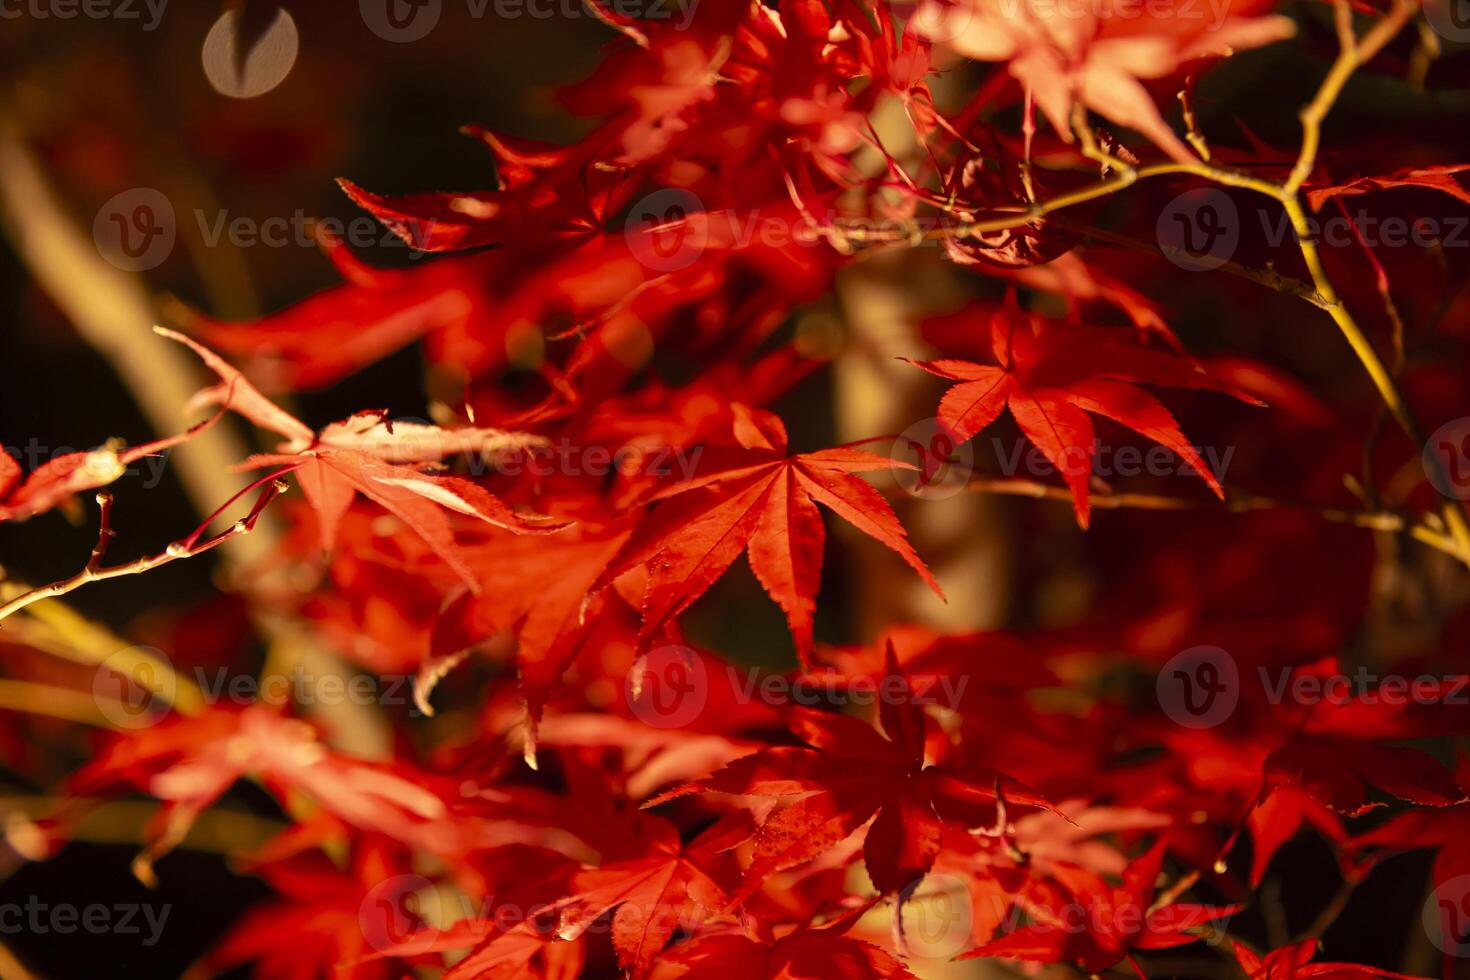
point(186, 548)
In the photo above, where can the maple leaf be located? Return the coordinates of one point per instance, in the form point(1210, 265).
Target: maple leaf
point(650, 896)
point(538, 587)
point(1278, 819)
point(314, 926)
point(58, 480)
point(1338, 771)
point(1050, 377)
point(808, 951)
point(1440, 178)
point(653, 886)
point(1447, 831)
point(1294, 962)
point(360, 321)
point(522, 952)
point(1097, 57)
point(189, 762)
point(1119, 918)
point(547, 193)
point(529, 950)
point(850, 774)
point(370, 455)
point(765, 502)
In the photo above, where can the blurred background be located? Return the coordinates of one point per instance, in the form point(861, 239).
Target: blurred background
point(94, 107)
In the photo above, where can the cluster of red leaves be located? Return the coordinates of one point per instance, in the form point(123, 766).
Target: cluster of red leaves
point(579, 828)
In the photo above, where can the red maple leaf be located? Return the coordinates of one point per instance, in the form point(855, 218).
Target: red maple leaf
point(1338, 771)
point(670, 885)
point(383, 461)
point(1098, 57)
point(1294, 962)
point(189, 762)
point(1447, 831)
point(538, 587)
point(766, 502)
point(850, 774)
point(1116, 919)
point(314, 926)
point(807, 951)
point(1051, 376)
point(58, 480)
point(1441, 179)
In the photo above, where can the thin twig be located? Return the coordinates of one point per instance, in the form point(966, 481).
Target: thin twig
point(1332, 911)
point(1235, 503)
point(184, 548)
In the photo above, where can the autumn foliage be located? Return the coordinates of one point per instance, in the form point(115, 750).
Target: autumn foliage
point(631, 447)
